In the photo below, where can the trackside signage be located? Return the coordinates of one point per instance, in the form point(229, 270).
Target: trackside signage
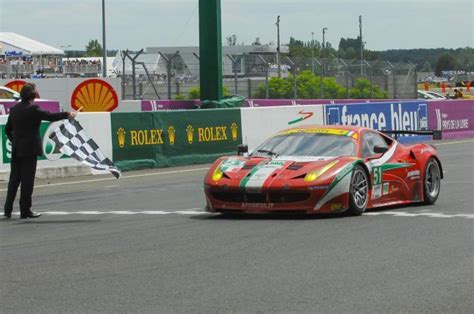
point(408, 116)
point(258, 124)
point(50, 150)
point(454, 117)
point(154, 139)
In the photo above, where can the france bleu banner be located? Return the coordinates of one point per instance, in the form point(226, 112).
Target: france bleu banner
point(403, 116)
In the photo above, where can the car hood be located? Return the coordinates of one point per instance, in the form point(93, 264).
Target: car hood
point(283, 167)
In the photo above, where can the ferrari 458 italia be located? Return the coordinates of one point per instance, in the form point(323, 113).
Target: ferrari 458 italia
point(324, 169)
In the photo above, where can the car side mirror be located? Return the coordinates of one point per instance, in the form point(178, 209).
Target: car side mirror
point(242, 149)
point(380, 149)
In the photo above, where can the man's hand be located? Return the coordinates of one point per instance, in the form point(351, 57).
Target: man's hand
point(72, 115)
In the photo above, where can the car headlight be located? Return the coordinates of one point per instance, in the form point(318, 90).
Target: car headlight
point(217, 174)
point(313, 175)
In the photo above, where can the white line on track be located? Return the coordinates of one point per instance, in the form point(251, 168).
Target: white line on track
point(199, 211)
point(424, 214)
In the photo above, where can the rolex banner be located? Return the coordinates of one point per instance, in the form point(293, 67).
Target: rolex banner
point(171, 138)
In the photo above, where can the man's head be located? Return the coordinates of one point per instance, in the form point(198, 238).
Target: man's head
point(28, 92)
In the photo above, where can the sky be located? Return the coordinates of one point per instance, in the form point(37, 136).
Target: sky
point(135, 24)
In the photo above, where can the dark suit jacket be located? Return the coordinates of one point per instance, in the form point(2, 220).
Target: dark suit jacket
point(23, 128)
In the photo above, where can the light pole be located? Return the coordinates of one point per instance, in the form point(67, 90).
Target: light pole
point(64, 47)
point(361, 48)
point(312, 51)
point(278, 46)
point(104, 52)
point(324, 37)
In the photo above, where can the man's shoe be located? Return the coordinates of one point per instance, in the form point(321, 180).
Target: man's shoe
point(30, 215)
point(7, 215)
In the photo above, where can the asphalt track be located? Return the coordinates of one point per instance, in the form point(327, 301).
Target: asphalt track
point(142, 245)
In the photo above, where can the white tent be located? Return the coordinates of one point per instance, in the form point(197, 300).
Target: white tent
point(17, 45)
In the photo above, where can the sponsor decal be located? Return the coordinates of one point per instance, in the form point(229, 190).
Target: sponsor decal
point(306, 115)
point(235, 131)
point(232, 165)
point(303, 158)
point(190, 134)
point(257, 205)
point(94, 95)
point(257, 177)
point(171, 134)
point(414, 174)
point(386, 188)
point(121, 136)
point(427, 150)
point(318, 187)
point(394, 188)
point(376, 191)
point(336, 206)
point(336, 132)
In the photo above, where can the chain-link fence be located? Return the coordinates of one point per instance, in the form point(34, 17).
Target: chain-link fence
point(176, 76)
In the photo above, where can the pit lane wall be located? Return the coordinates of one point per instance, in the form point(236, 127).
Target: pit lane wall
point(170, 138)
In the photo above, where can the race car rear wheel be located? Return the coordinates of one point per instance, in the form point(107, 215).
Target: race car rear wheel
point(358, 192)
point(431, 182)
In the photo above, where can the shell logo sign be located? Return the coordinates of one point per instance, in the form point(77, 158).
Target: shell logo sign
point(16, 85)
point(94, 95)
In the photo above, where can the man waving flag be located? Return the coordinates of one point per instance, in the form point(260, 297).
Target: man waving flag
point(73, 142)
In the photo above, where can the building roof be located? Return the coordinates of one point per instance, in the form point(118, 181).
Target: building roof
point(12, 42)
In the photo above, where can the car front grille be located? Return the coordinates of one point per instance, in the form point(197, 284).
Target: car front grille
point(273, 197)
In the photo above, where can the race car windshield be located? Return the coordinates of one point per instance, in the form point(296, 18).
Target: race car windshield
point(304, 144)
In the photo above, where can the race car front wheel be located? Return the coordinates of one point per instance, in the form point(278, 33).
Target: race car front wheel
point(358, 192)
point(431, 182)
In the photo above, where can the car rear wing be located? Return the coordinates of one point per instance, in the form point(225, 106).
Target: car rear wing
point(437, 134)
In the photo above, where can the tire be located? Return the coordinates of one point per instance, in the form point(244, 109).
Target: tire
point(431, 182)
point(358, 192)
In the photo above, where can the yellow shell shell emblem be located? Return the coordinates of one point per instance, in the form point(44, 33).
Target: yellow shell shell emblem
point(94, 95)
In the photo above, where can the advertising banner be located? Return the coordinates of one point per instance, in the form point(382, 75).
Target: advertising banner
point(49, 148)
point(96, 125)
point(406, 116)
point(158, 105)
point(48, 105)
point(304, 102)
point(259, 124)
point(454, 117)
point(170, 138)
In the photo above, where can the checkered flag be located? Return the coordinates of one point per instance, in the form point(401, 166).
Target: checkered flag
point(73, 142)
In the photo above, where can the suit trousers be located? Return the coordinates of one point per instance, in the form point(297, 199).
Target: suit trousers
point(23, 171)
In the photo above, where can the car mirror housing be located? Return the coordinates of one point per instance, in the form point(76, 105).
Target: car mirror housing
point(242, 149)
point(380, 149)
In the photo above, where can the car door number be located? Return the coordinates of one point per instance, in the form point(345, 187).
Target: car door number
point(377, 173)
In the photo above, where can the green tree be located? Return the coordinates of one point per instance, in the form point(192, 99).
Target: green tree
point(195, 92)
point(362, 90)
point(93, 48)
point(446, 62)
point(309, 87)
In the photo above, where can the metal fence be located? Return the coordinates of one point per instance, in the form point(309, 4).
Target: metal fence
point(248, 75)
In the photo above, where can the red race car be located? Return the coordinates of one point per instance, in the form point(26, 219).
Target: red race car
point(325, 169)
